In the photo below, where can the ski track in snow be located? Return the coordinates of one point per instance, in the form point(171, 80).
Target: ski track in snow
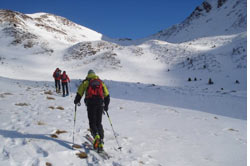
point(150, 134)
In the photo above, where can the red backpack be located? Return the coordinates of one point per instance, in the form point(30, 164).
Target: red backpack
point(95, 89)
point(64, 77)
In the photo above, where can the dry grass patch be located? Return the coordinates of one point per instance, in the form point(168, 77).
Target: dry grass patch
point(60, 108)
point(51, 107)
point(40, 123)
point(7, 93)
point(2, 95)
point(141, 163)
point(48, 164)
point(48, 92)
point(21, 104)
point(54, 136)
point(82, 155)
point(231, 129)
point(60, 131)
point(76, 146)
point(50, 98)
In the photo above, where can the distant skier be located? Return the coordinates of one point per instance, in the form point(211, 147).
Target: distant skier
point(96, 99)
point(57, 77)
point(65, 79)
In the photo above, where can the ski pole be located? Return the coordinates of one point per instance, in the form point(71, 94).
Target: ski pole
point(119, 147)
point(79, 104)
point(74, 126)
point(70, 89)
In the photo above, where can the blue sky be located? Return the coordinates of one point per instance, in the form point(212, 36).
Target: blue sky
point(113, 18)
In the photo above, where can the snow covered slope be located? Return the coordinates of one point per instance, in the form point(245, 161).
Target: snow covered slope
point(36, 41)
point(162, 107)
point(155, 126)
point(211, 18)
point(44, 26)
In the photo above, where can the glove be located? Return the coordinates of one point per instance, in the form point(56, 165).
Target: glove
point(86, 101)
point(106, 101)
point(77, 99)
point(76, 102)
point(106, 108)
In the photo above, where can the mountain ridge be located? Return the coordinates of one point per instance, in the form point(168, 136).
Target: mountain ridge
point(209, 11)
point(52, 40)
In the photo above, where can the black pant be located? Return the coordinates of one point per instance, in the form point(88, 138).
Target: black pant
point(65, 85)
point(95, 119)
point(57, 84)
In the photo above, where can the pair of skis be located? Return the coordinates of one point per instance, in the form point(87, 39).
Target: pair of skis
point(89, 145)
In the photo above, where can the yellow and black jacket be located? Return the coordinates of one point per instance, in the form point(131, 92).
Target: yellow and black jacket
point(82, 89)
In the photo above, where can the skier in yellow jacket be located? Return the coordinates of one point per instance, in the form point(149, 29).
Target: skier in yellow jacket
point(96, 99)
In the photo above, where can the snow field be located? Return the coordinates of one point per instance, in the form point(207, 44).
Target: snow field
point(150, 134)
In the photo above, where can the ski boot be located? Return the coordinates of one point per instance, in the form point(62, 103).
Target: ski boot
point(96, 141)
point(100, 146)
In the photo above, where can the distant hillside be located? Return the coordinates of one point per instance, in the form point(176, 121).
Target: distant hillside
point(211, 18)
point(42, 29)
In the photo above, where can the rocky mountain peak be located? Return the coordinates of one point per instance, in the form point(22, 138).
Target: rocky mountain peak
point(31, 30)
point(211, 18)
point(13, 18)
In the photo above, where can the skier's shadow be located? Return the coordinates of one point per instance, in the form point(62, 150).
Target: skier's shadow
point(94, 158)
point(15, 134)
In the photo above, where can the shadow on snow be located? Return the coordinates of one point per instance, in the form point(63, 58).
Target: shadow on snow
point(15, 134)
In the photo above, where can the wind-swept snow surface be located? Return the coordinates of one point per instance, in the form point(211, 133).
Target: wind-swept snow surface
point(149, 131)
